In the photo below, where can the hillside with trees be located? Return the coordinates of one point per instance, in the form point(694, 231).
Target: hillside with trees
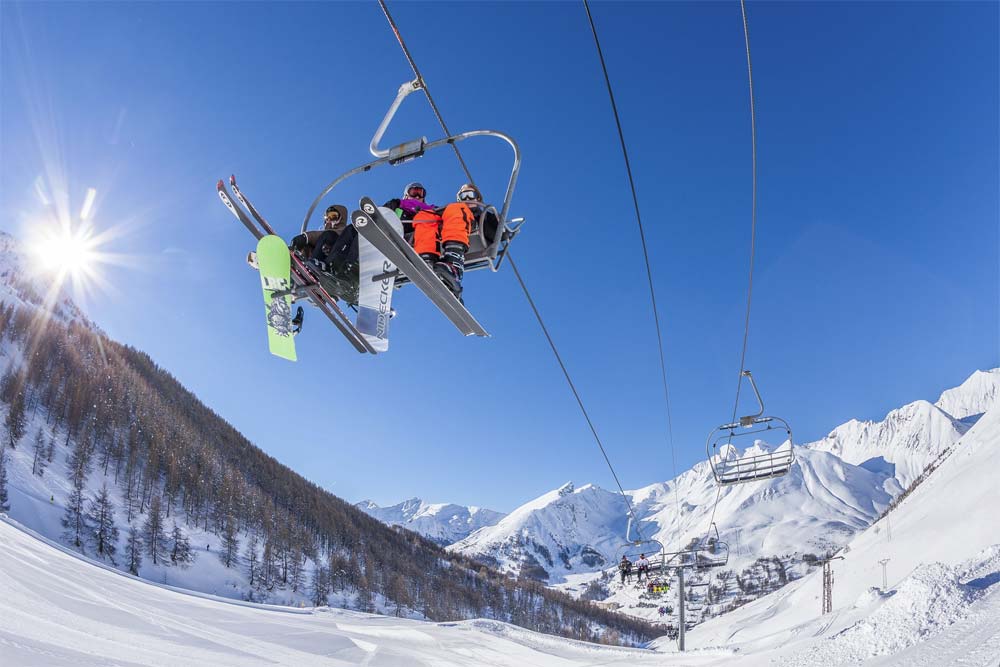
point(168, 464)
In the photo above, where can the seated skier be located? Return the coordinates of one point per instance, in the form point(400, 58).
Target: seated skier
point(406, 207)
point(332, 252)
point(315, 244)
point(450, 227)
point(642, 565)
point(625, 568)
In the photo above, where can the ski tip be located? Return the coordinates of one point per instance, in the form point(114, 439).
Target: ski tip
point(232, 179)
point(220, 185)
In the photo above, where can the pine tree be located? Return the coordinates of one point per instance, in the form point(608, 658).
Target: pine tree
point(4, 498)
point(39, 462)
point(153, 533)
point(230, 543)
point(133, 550)
point(79, 463)
point(320, 590)
point(103, 531)
point(296, 569)
point(253, 560)
point(50, 451)
point(399, 593)
point(75, 518)
point(180, 552)
point(16, 422)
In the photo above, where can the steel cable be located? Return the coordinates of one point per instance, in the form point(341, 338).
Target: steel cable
point(510, 258)
point(753, 235)
point(649, 271)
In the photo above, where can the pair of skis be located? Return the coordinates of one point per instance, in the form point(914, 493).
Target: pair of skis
point(374, 226)
point(300, 281)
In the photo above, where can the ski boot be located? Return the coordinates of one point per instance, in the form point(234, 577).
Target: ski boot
point(297, 321)
point(450, 268)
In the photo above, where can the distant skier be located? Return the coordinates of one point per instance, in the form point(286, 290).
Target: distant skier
point(406, 207)
point(451, 226)
point(625, 568)
point(642, 566)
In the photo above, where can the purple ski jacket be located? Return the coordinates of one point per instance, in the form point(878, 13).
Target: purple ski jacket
point(411, 206)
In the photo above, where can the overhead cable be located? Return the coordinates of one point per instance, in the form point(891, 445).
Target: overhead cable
point(510, 258)
point(645, 254)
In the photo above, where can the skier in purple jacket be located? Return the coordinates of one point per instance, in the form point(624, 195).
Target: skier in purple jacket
point(408, 205)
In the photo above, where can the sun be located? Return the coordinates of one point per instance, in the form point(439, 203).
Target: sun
point(67, 251)
point(69, 255)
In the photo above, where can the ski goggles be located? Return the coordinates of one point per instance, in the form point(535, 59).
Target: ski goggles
point(417, 193)
point(468, 195)
point(333, 216)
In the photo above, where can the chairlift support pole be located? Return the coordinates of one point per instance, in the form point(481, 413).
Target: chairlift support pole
point(680, 608)
point(828, 583)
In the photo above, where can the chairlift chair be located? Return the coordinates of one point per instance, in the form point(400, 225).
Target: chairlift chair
point(728, 467)
point(700, 553)
point(655, 575)
point(484, 252)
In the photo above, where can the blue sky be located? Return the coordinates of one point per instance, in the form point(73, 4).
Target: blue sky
point(877, 267)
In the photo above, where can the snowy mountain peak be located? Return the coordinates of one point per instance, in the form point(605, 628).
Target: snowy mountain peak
point(909, 437)
point(979, 393)
point(566, 489)
point(444, 523)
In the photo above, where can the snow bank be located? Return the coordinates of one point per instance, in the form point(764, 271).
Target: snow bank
point(930, 599)
point(926, 601)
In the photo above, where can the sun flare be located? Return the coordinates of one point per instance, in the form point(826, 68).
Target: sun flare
point(70, 255)
point(67, 251)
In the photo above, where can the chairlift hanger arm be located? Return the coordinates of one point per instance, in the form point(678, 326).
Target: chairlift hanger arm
point(749, 419)
point(401, 94)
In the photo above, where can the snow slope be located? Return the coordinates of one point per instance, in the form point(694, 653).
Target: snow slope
point(943, 546)
point(58, 609)
point(443, 523)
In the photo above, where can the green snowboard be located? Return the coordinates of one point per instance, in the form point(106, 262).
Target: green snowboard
point(275, 266)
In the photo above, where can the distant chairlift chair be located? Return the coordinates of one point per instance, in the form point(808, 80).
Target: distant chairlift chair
point(656, 581)
point(729, 467)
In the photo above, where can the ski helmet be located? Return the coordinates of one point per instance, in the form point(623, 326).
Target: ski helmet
point(469, 192)
point(415, 186)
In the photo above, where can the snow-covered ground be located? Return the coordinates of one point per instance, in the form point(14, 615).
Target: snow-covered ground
point(59, 609)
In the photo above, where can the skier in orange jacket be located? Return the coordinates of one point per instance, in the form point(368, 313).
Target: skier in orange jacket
point(451, 228)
